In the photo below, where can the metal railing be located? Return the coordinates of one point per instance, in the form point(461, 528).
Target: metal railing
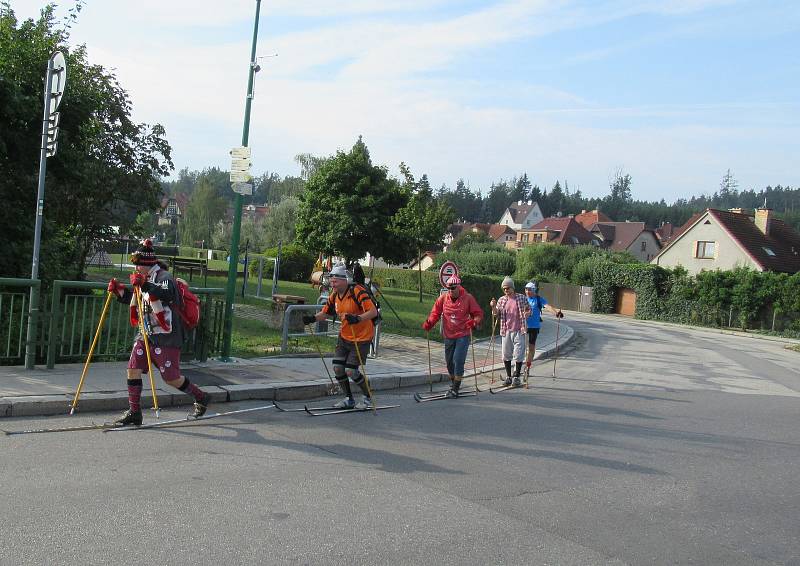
point(14, 312)
point(285, 334)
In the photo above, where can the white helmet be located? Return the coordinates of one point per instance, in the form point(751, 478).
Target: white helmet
point(339, 271)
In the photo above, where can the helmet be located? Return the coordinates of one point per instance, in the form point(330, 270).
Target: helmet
point(339, 271)
point(533, 286)
point(453, 280)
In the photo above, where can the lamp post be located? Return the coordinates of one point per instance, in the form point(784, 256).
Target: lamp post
point(230, 288)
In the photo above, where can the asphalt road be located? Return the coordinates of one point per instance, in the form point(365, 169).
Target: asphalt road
point(655, 445)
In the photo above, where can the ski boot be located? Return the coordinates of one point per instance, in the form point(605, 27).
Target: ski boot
point(346, 403)
point(516, 382)
point(129, 418)
point(201, 406)
point(508, 381)
point(366, 403)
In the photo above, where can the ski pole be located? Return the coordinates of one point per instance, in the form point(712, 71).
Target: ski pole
point(145, 339)
point(364, 369)
point(474, 365)
point(321, 357)
point(491, 347)
point(555, 358)
point(491, 342)
point(430, 367)
point(91, 352)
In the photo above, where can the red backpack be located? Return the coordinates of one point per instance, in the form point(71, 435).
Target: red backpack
point(189, 309)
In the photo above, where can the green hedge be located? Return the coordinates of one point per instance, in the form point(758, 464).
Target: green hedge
point(407, 279)
point(643, 278)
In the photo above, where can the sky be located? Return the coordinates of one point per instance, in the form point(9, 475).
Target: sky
point(672, 92)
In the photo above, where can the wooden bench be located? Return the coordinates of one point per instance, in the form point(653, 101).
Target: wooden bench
point(289, 299)
point(189, 264)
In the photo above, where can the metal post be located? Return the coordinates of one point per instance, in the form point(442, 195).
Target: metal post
point(260, 275)
point(230, 288)
point(276, 269)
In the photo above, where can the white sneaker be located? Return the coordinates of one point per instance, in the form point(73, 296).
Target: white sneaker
point(366, 403)
point(346, 403)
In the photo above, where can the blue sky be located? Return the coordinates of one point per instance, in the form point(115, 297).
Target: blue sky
point(675, 92)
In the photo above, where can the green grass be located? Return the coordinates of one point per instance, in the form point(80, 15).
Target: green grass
point(253, 339)
point(795, 348)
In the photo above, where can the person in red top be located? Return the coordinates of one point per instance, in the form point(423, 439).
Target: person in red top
point(460, 313)
point(352, 305)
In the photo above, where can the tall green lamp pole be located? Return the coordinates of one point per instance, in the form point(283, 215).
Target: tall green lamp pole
point(230, 288)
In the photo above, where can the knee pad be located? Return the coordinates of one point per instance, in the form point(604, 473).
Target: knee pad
point(338, 368)
point(351, 371)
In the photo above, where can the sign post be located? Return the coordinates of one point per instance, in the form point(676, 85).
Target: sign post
point(448, 269)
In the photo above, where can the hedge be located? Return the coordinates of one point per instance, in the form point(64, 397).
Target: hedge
point(643, 278)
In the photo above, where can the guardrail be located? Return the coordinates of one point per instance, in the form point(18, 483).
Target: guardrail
point(14, 314)
point(285, 334)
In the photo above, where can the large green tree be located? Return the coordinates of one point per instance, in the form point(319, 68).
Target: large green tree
point(107, 168)
point(422, 222)
point(204, 211)
point(347, 208)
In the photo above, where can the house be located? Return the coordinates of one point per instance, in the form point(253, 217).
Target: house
point(255, 211)
point(590, 218)
point(665, 233)
point(172, 208)
point(428, 260)
point(565, 231)
point(727, 239)
point(499, 233)
point(631, 237)
point(521, 215)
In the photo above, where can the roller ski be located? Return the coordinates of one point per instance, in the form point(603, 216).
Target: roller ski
point(348, 405)
point(509, 383)
point(189, 418)
point(442, 395)
point(75, 428)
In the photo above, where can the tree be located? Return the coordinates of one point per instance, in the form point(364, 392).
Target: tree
point(347, 207)
point(279, 225)
point(107, 169)
point(204, 211)
point(621, 187)
point(423, 221)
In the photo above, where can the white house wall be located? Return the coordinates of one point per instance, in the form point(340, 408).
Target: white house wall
point(728, 253)
point(651, 247)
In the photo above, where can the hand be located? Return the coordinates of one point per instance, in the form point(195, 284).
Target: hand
point(427, 325)
point(352, 318)
point(115, 286)
point(309, 319)
point(137, 279)
point(559, 314)
point(492, 303)
point(471, 323)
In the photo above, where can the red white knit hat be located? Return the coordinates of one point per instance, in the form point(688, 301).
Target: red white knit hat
point(144, 254)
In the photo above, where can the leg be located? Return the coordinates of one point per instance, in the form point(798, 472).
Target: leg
point(449, 351)
point(168, 362)
point(508, 348)
point(353, 372)
point(339, 361)
point(461, 347)
point(519, 355)
point(137, 364)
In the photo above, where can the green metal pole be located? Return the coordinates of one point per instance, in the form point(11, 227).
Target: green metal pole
point(230, 288)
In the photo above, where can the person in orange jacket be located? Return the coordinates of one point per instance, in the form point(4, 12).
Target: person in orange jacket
point(460, 313)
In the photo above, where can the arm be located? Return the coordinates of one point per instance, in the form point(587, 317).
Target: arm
point(436, 313)
point(164, 292)
point(475, 311)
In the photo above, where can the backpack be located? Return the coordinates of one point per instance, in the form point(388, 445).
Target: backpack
point(189, 308)
point(372, 298)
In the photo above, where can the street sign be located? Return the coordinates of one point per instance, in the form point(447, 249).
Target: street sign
point(243, 188)
point(238, 164)
point(448, 268)
point(240, 176)
point(58, 80)
point(240, 152)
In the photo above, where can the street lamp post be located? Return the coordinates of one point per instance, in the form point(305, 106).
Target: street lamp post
point(230, 288)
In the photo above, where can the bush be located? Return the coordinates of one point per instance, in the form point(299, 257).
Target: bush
point(481, 261)
point(296, 263)
point(468, 238)
point(407, 279)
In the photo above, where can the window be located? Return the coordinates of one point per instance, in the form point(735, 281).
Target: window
point(706, 250)
point(644, 245)
point(768, 251)
point(525, 237)
point(537, 237)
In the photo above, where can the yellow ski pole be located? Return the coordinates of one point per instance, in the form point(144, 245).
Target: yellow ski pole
point(145, 339)
point(91, 353)
point(334, 386)
point(364, 369)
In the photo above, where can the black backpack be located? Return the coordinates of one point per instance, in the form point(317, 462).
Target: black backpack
point(371, 295)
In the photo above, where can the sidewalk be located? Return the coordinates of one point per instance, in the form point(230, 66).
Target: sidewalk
point(402, 362)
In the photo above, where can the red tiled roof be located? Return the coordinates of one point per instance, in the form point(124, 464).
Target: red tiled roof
point(589, 219)
point(623, 235)
point(566, 229)
point(665, 232)
point(782, 240)
point(498, 230)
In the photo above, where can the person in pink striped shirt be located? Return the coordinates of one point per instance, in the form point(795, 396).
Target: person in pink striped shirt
point(513, 310)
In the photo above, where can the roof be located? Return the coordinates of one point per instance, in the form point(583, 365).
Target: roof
point(783, 241)
point(494, 231)
point(498, 230)
point(520, 210)
point(568, 231)
point(589, 219)
point(623, 234)
point(665, 232)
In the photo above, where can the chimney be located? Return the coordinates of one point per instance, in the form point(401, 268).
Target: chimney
point(745, 211)
point(583, 211)
point(764, 219)
point(519, 202)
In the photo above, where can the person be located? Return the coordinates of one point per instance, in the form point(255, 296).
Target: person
point(352, 305)
point(534, 321)
point(164, 330)
point(460, 313)
point(513, 310)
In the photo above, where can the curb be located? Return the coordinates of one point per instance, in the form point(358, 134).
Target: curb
point(48, 405)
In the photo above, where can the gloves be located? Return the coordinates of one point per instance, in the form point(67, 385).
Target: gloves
point(137, 279)
point(471, 323)
point(161, 317)
point(427, 325)
point(352, 318)
point(116, 287)
point(559, 314)
point(309, 319)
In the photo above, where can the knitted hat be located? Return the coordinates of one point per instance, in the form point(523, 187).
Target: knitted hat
point(339, 271)
point(144, 254)
point(533, 286)
point(453, 280)
point(507, 282)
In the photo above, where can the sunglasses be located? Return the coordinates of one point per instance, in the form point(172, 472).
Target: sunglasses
point(508, 288)
point(453, 287)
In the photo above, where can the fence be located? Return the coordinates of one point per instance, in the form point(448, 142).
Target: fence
point(567, 297)
point(66, 327)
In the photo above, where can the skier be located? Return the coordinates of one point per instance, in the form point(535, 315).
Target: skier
point(164, 329)
point(513, 310)
point(352, 305)
point(537, 304)
point(460, 313)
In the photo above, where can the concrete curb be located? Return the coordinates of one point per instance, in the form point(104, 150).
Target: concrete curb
point(46, 405)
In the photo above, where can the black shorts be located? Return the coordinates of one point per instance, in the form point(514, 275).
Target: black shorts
point(346, 352)
point(532, 334)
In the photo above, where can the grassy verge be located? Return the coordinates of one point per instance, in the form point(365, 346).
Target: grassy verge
point(795, 348)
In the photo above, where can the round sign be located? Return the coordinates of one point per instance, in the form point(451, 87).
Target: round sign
point(448, 268)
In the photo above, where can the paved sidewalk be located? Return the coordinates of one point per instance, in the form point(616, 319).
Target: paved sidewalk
point(402, 362)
